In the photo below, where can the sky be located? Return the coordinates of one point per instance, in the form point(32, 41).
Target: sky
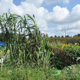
point(52, 16)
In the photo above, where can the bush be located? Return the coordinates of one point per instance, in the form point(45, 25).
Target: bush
point(60, 58)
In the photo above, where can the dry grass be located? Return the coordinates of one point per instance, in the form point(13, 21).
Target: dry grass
point(56, 43)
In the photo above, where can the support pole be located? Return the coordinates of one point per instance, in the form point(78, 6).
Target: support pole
point(65, 33)
point(1, 61)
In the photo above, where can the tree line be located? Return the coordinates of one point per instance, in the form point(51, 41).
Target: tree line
point(78, 35)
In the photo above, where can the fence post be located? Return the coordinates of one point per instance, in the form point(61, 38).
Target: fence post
point(1, 61)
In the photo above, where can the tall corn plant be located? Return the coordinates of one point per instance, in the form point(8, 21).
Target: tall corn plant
point(28, 52)
point(36, 42)
point(9, 24)
point(14, 23)
point(34, 39)
point(43, 55)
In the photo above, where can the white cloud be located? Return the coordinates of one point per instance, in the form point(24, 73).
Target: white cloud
point(66, 1)
point(26, 8)
point(74, 15)
point(8, 1)
point(16, 9)
point(73, 31)
point(39, 2)
point(35, 2)
point(62, 15)
point(71, 28)
point(55, 1)
point(5, 5)
point(58, 15)
point(42, 24)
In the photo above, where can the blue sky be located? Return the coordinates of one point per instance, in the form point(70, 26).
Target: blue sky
point(52, 16)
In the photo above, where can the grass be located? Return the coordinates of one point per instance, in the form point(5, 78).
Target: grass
point(38, 73)
point(27, 73)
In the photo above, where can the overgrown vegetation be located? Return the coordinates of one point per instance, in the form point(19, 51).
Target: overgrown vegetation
point(33, 58)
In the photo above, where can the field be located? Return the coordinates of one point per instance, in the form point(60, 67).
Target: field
point(36, 58)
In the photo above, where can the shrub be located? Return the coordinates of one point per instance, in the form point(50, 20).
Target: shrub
point(60, 58)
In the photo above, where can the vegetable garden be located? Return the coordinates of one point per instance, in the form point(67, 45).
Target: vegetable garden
point(35, 58)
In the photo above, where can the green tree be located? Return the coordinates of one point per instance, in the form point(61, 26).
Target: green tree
point(78, 35)
point(58, 36)
point(55, 36)
point(67, 35)
point(62, 36)
point(51, 36)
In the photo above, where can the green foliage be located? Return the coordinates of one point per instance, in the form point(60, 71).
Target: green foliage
point(77, 35)
point(67, 35)
point(24, 49)
point(62, 36)
point(55, 36)
point(51, 36)
point(73, 51)
point(38, 73)
point(28, 73)
point(70, 73)
point(56, 61)
point(65, 56)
